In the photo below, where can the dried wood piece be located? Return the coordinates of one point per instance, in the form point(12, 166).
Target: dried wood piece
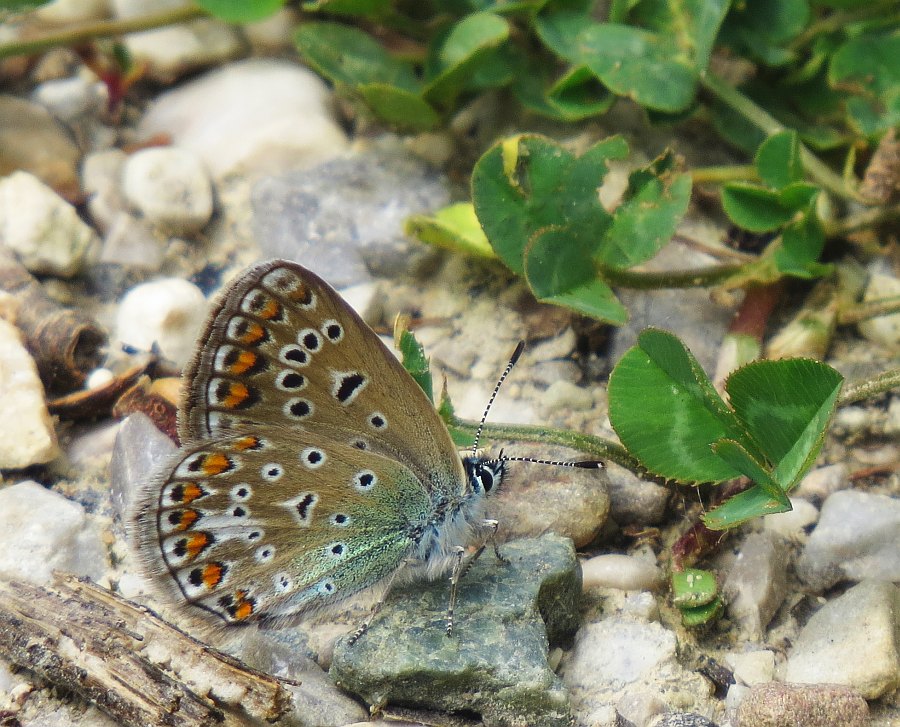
point(66, 344)
point(131, 664)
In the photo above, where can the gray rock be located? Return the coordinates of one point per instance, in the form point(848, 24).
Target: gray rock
point(852, 640)
point(757, 583)
point(793, 705)
point(344, 219)
point(619, 657)
point(856, 538)
point(634, 501)
point(139, 450)
point(495, 663)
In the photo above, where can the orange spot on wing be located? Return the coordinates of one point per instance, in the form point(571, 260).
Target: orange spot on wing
point(238, 393)
point(253, 334)
point(196, 544)
point(245, 361)
point(212, 575)
point(243, 606)
point(186, 519)
point(216, 463)
point(190, 492)
point(271, 310)
point(249, 442)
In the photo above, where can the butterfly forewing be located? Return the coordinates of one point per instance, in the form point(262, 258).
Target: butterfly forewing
point(225, 516)
point(282, 348)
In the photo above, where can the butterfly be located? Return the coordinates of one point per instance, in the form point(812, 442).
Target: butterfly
point(312, 466)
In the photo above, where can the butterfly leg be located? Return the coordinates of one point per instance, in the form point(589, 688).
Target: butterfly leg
point(492, 526)
point(376, 607)
point(459, 567)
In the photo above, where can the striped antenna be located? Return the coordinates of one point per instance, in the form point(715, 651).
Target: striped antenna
point(584, 464)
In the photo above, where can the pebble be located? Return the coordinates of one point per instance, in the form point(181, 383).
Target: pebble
point(140, 449)
point(33, 141)
point(793, 705)
point(42, 531)
point(101, 177)
point(344, 218)
point(618, 657)
point(792, 525)
point(169, 312)
point(72, 99)
point(564, 396)
point(282, 120)
point(856, 538)
point(172, 51)
point(624, 572)
point(852, 641)
point(821, 482)
point(43, 229)
point(752, 667)
point(170, 188)
point(61, 12)
point(537, 499)
point(757, 583)
point(634, 501)
point(27, 435)
point(883, 330)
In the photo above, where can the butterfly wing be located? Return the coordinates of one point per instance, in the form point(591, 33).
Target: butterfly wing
point(275, 524)
point(282, 348)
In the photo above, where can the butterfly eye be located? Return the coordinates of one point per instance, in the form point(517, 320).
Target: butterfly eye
point(484, 476)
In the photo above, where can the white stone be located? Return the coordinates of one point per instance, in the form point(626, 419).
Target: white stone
point(254, 117)
point(42, 228)
point(792, 524)
point(42, 531)
point(856, 538)
point(757, 582)
point(170, 188)
point(852, 641)
point(564, 395)
point(171, 51)
point(27, 435)
point(71, 99)
point(883, 329)
point(169, 312)
point(824, 481)
point(624, 572)
point(101, 179)
point(752, 667)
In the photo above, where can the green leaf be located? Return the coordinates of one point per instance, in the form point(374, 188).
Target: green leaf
point(702, 615)
point(735, 455)
point(349, 56)
point(745, 506)
point(241, 11)
point(558, 269)
point(462, 49)
point(778, 160)
point(668, 414)
point(868, 69)
point(786, 406)
point(802, 242)
point(574, 96)
point(455, 227)
point(14, 7)
point(693, 587)
point(656, 65)
point(762, 28)
point(527, 184)
point(759, 209)
point(405, 109)
point(414, 361)
point(648, 214)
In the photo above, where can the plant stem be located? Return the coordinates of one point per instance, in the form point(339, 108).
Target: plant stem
point(840, 19)
point(699, 277)
point(720, 175)
point(760, 118)
point(869, 309)
point(870, 388)
point(100, 29)
point(594, 446)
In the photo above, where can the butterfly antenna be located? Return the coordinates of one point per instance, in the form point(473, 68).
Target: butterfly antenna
point(588, 464)
point(512, 362)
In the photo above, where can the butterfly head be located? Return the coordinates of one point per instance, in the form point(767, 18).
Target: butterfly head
point(483, 476)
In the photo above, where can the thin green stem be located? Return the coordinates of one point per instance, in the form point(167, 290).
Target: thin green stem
point(595, 447)
point(870, 388)
point(100, 29)
point(867, 309)
point(760, 118)
point(840, 19)
point(697, 278)
point(720, 175)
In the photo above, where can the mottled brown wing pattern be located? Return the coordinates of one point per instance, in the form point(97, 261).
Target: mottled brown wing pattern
point(282, 348)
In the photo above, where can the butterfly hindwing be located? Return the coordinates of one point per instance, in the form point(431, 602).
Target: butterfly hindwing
point(222, 523)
